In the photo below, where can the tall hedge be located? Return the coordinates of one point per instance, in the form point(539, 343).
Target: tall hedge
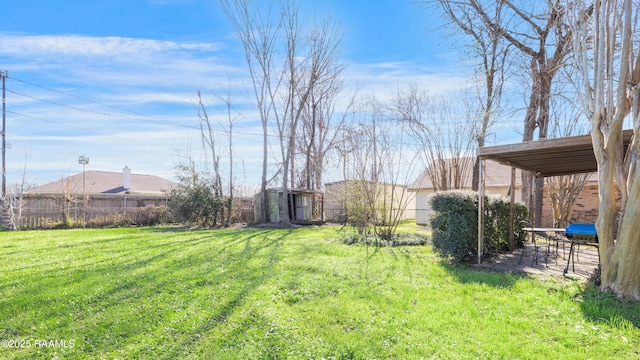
point(454, 224)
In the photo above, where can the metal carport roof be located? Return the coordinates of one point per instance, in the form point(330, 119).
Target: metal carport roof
point(550, 157)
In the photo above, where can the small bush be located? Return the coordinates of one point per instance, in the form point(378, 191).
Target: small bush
point(397, 240)
point(143, 216)
point(63, 225)
point(149, 215)
point(354, 238)
point(410, 240)
point(455, 224)
point(497, 223)
point(112, 220)
point(198, 201)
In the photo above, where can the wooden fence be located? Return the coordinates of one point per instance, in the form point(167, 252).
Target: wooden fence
point(43, 211)
point(33, 211)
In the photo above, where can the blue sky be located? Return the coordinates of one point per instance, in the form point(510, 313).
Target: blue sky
point(115, 80)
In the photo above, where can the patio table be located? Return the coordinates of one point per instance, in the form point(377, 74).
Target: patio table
point(550, 234)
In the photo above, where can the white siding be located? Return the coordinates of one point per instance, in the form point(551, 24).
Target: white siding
point(423, 209)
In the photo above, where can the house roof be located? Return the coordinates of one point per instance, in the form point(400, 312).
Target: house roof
point(292, 191)
point(495, 175)
point(105, 182)
point(341, 182)
point(551, 157)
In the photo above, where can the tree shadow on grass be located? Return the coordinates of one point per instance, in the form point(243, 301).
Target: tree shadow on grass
point(259, 276)
point(467, 275)
point(148, 274)
point(606, 307)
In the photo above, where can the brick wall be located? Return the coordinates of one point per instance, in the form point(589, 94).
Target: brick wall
point(585, 210)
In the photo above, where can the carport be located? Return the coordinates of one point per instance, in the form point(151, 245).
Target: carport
point(549, 157)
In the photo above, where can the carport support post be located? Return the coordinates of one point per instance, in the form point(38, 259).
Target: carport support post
point(512, 210)
point(480, 208)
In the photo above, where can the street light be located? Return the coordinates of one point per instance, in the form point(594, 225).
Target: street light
point(83, 160)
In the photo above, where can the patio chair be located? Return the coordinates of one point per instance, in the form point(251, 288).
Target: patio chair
point(559, 238)
point(525, 226)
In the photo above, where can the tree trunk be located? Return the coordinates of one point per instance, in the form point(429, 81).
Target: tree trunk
point(610, 258)
point(620, 259)
point(264, 210)
point(609, 90)
point(530, 125)
point(624, 262)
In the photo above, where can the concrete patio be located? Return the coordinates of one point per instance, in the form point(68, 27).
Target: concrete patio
point(548, 262)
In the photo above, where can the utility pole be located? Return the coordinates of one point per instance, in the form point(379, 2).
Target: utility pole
point(3, 75)
point(83, 160)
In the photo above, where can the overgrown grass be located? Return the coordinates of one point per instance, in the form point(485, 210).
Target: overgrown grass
point(165, 293)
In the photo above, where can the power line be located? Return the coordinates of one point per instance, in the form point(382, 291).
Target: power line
point(154, 120)
point(61, 92)
point(49, 121)
point(57, 104)
point(150, 119)
point(157, 120)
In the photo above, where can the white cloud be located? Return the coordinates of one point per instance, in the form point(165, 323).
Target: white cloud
point(78, 45)
point(383, 79)
point(142, 94)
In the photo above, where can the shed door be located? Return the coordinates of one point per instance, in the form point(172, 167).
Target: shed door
point(301, 201)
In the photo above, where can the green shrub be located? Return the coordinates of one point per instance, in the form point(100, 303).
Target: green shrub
point(497, 219)
point(354, 238)
point(397, 240)
point(455, 224)
point(149, 215)
point(198, 201)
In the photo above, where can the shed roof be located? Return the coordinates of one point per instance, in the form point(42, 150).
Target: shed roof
point(550, 157)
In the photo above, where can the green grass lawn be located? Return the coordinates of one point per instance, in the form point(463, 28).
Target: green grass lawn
point(165, 293)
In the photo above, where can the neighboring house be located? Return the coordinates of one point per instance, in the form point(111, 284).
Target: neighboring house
point(497, 181)
point(90, 194)
point(337, 194)
point(305, 206)
point(105, 182)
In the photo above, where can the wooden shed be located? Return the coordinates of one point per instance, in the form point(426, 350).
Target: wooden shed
point(306, 207)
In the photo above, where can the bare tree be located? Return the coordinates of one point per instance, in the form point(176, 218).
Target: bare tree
point(489, 51)
point(309, 61)
point(214, 150)
point(378, 163)
point(68, 201)
point(444, 137)
point(359, 191)
point(209, 144)
point(283, 92)
point(537, 30)
point(232, 116)
point(15, 204)
point(258, 33)
point(566, 120)
point(608, 64)
point(318, 133)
